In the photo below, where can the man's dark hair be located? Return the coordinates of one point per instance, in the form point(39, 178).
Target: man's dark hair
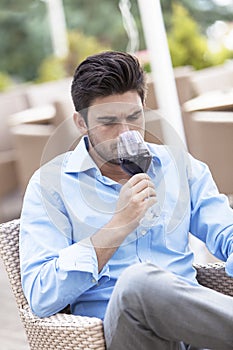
point(105, 74)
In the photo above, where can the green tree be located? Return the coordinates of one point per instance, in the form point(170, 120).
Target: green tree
point(187, 45)
point(101, 19)
point(25, 36)
point(5, 81)
point(24, 41)
point(80, 46)
point(206, 12)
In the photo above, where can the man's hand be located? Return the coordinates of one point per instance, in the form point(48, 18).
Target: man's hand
point(136, 196)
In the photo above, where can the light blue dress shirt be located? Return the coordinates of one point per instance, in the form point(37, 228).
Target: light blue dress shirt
point(68, 200)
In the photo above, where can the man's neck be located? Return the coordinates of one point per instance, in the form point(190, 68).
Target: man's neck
point(108, 169)
point(114, 172)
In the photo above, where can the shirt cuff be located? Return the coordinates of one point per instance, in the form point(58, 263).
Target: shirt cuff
point(82, 257)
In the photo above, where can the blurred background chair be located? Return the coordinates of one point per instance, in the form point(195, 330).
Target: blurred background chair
point(184, 85)
point(219, 77)
point(29, 141)
point(30, 103)
point(48, 92)
point(37, 143)
point(212, 143)
point(12, 102)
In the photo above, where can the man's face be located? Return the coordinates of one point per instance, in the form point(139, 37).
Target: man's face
point(108, 117)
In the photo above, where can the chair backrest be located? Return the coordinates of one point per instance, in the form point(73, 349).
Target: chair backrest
point(48, 92)
point(212, 78)
point(185, 91)
point(154, 132)
point(10, 102)
point(29, 141)
point(9, 252)
point(212, 143)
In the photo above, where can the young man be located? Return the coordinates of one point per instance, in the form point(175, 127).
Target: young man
point(82, 243)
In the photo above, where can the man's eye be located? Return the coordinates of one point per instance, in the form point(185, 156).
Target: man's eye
point(109, 123)
point(133, 117)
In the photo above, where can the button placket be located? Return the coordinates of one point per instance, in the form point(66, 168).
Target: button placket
point(142, 231)
point(143, 243)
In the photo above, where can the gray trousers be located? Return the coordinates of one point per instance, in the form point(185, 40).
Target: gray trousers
point(152, 309)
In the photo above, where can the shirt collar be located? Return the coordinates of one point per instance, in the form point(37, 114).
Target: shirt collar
point(154, 149)
point(79, 159)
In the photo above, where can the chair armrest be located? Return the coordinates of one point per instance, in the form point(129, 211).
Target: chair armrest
point(43, 114)
point(8, 174)
point(62, 331)
point(213, 276)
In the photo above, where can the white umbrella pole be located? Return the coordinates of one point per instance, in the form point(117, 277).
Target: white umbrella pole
point(161, 65)
point(57, 24)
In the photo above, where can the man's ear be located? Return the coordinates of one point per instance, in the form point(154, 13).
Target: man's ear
point(80, 123)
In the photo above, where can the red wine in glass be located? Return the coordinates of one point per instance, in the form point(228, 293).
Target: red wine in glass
point(135, 158)
point(133, 153)
point(136, 164)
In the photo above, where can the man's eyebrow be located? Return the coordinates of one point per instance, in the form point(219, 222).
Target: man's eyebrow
point(114, 117)
point(107, 118)
point(139, 111)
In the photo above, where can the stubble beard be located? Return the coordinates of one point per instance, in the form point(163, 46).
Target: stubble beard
point(107, 155)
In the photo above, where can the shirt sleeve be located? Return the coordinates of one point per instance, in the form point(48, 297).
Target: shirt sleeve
point(55, 271)
point(80, 257)
point(211, 215)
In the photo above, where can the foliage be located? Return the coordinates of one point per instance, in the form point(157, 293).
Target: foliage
point(51, 69)
point(187, 45)
point(219, 57)
point(204, 12)
point(80, 46)
point(101, 19)
point(23, 41)
point(5, 81)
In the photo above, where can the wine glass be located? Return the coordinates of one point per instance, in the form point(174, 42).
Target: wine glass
point(135, 158)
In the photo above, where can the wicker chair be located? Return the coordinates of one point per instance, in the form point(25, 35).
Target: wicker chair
point(66, 331)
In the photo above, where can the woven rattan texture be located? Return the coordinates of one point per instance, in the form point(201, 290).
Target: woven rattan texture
point(213, 276)
point(68, 332)
point(60, 331)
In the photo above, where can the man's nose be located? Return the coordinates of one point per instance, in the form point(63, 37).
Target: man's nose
point(122, 127)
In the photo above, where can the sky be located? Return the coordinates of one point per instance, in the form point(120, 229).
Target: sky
point(223, 2)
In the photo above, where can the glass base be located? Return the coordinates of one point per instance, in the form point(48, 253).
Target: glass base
point(151, 217)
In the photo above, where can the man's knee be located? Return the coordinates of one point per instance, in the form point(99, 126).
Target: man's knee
point(141, 291)
point(145, 282)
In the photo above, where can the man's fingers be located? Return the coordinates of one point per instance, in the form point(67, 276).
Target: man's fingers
point(145, 194)
point(139, 190)
point(142, 185)
point(137, 178)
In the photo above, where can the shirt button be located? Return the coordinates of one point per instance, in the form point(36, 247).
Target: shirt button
point(93, 280)
point(143, 232)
